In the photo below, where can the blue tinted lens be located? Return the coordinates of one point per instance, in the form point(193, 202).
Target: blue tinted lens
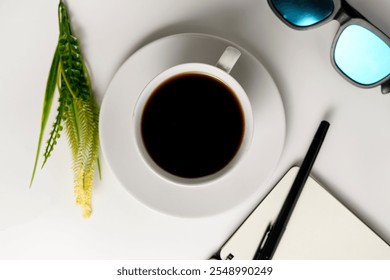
point(303, 13)
point(362, 55)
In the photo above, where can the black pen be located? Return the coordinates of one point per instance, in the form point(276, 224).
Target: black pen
point(276, 231)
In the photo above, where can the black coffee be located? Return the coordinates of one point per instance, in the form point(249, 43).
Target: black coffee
point(192, 125)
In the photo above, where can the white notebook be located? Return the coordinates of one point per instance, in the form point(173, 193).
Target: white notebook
point(320, 227)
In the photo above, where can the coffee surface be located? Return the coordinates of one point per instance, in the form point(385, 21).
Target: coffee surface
point(192, 125)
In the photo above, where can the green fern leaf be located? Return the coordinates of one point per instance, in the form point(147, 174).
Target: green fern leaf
point(70, 120)
point(76, 78)
point(47, 103)
point(55, 133)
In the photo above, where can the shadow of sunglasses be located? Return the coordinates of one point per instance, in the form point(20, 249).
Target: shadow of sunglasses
point(360, 52)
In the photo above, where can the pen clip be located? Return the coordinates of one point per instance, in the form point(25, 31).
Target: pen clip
point(263, 240)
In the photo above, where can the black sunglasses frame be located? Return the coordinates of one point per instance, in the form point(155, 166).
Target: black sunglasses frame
point(346, 15)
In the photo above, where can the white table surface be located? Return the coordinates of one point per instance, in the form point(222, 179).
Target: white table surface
point(44, 223)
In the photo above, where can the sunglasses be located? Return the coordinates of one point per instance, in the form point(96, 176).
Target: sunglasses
point(360, 51)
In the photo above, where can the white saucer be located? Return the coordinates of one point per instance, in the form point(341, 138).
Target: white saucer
point(119, 145)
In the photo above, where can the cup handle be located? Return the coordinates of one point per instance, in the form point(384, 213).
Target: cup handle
point(228, 59)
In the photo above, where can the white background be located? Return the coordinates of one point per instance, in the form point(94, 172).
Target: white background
point(43, 222)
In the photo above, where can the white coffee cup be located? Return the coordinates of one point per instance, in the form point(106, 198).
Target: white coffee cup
point(220, 72)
